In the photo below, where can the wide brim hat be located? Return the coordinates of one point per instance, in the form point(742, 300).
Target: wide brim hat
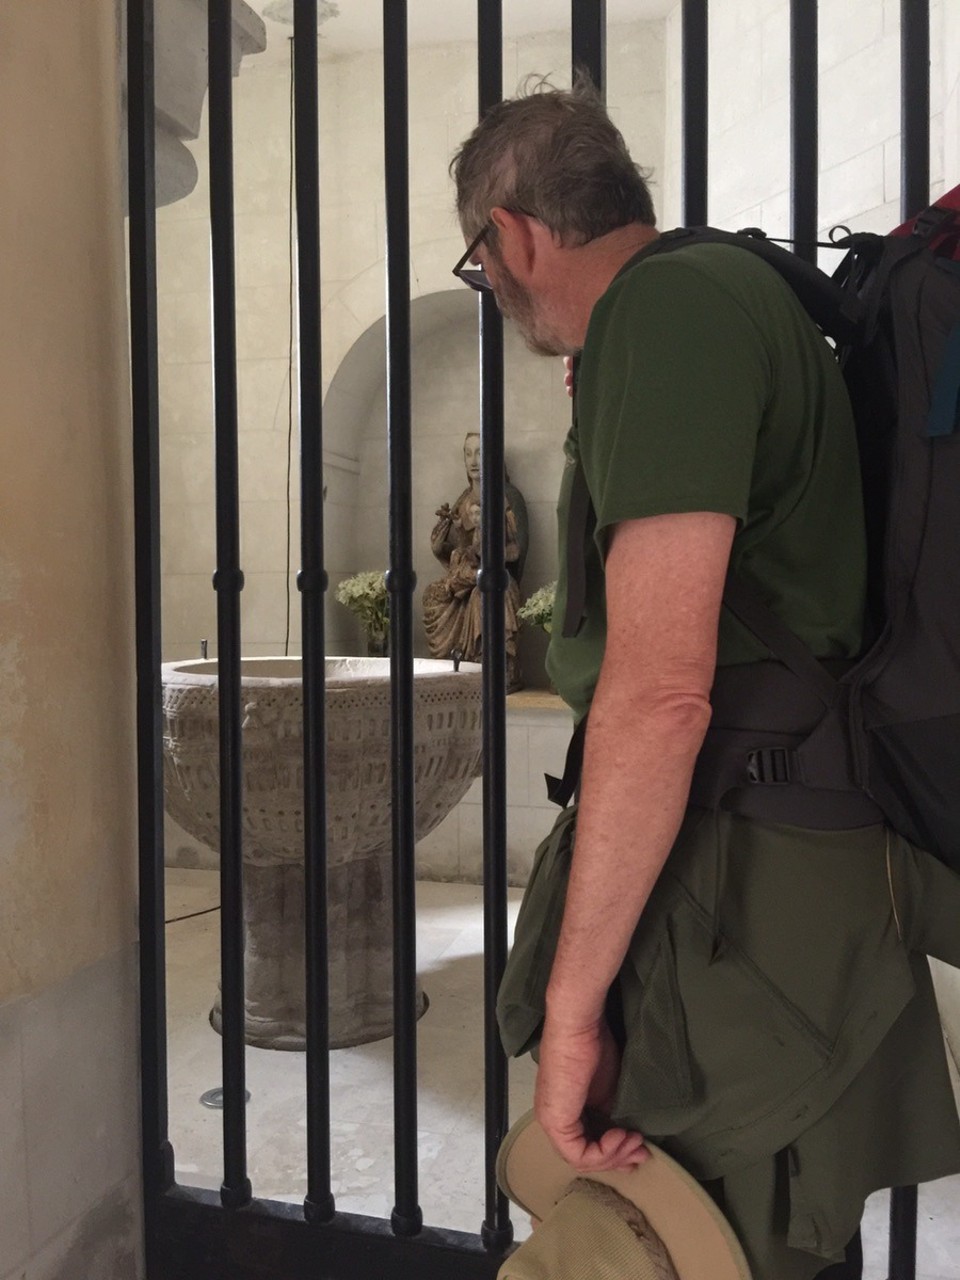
point(584, 1236)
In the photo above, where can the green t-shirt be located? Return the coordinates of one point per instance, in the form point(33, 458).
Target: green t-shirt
point(704, 386)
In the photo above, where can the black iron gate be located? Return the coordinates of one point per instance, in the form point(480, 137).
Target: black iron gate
point(193, 1233)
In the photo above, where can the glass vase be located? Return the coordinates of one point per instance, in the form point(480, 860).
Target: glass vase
point(378, 644)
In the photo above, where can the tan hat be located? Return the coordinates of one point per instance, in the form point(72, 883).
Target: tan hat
point(654, 1222)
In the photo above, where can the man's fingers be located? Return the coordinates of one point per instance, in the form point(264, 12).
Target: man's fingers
point(616, 1149)
point(622, 1149)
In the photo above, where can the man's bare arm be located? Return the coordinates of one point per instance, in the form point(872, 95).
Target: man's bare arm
point(664, 586)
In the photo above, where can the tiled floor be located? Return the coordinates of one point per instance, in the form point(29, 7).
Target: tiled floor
point(451, 1086)
point(450, 1051)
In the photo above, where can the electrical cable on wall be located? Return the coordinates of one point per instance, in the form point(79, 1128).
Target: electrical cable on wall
point(192, 915)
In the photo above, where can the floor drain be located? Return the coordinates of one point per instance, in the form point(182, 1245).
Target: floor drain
point(213, 1098)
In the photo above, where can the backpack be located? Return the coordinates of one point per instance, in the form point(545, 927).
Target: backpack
point(839, 745)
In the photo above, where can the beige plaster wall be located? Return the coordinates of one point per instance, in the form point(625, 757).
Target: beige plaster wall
point(443, 97)
point(67, 830)
point(69, 1131)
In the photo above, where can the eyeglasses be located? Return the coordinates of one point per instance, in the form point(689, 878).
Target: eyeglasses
point(475, 277)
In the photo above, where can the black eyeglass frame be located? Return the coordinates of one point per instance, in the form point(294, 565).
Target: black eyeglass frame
point(475, 277)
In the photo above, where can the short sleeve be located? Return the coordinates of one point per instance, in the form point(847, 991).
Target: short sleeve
point(672, 390)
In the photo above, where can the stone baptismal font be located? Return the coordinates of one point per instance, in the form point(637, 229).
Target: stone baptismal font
point(448, 735)
point(452, 606)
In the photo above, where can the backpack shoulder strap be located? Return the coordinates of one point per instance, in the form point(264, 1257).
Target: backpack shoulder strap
point(760, 620)
point(578, 522)
point(836, 311)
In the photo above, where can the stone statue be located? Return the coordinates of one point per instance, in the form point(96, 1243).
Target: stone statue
point(452, 606)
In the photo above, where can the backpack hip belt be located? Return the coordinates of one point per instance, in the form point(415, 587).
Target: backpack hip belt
point(775, 752)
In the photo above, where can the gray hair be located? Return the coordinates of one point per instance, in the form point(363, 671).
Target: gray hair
point(556, 155)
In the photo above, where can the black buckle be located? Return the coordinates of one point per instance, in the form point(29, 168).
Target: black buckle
point(932, 221)
point(770, 766)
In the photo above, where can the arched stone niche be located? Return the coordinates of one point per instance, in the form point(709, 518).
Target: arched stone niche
point(445, 365)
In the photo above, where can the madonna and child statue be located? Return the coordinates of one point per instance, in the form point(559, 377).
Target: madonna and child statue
point(452, 606)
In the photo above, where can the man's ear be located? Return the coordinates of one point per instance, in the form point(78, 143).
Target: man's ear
point(516, 239)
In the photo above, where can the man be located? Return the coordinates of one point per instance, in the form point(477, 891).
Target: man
point(746, 993)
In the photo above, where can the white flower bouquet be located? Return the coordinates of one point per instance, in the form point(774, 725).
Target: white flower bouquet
point(538, 608)
point(365, 594)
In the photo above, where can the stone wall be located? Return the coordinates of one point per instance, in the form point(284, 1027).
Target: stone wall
point(950, 46)
point(859, 112)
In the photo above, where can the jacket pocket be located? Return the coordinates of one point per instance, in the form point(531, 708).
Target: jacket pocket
point(522, 997)
point(656, 1072)
point(712, 1045)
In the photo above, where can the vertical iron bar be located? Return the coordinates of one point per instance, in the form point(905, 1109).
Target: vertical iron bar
point(497, 1229)
point(589, 39)
point(157, 1152)
point(914, 197)
point(235, 1190)
point(903, 1233)
point(914, 107)
point(694, 91)
point(312, 584)
point(407, 1217)
point(804, 156)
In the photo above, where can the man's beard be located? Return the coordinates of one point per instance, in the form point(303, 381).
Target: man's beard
point(516, 304)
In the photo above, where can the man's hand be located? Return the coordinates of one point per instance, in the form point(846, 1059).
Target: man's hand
point(579, 1068)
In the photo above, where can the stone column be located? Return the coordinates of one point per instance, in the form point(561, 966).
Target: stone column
point(69, 1126)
